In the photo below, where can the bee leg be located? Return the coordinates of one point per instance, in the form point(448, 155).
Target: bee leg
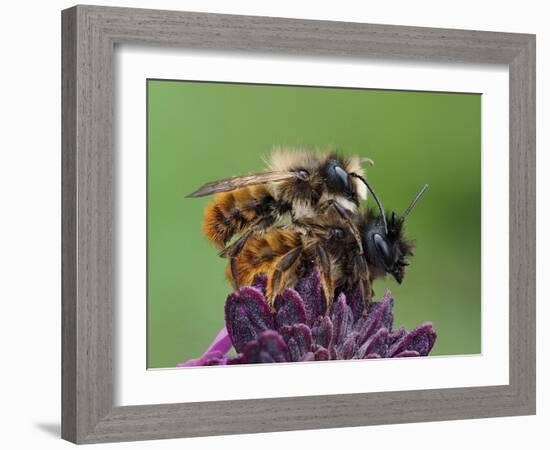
point(285, 263)
point(258, 226)
point(361, 264)
point(326, 273)
point(366, 293)
point(237, 246)
point(362, 274)
point(371, 290)
point(235, 272)
point(353, 229)
point(233, 250)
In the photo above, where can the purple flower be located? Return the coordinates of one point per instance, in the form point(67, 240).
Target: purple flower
point(215, 354)
point(298, 328)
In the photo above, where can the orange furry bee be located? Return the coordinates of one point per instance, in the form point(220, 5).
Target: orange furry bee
point(285, 255)
point(298, 186)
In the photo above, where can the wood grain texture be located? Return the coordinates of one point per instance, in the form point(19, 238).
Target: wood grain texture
point(89, 37)
point(68, 225)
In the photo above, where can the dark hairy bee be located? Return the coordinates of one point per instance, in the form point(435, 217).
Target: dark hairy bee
point(285, 255)
point(385, 245)
point(297, 187)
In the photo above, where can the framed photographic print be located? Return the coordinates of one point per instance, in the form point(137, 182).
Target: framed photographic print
point(278, 224)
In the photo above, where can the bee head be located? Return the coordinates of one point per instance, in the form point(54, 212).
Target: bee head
point(320, 176)
point(337, 180)
point(384, 242)
point(387, 250)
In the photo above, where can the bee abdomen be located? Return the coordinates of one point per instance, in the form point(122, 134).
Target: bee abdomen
point(232, 212)
point(261, 254)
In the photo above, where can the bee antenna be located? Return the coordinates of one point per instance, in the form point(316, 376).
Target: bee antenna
point(365, 160)
point(376, 199)
point(414, 202)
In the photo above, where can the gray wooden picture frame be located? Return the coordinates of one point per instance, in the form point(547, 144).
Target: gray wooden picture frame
point(90, 34)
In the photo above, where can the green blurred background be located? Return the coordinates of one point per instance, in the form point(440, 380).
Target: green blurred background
point(199, 132)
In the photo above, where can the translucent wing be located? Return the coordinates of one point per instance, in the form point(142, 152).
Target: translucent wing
point(230, 184)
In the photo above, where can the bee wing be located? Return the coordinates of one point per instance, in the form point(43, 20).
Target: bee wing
point(230, 184)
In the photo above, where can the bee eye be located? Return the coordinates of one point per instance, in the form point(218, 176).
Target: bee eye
point(302, 173)
point(382, 246)
point(337, 233)
point(336, 177)
point(342, 176)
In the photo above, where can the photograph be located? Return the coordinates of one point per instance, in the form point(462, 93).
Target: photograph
point(265, 225)
point(292, 223)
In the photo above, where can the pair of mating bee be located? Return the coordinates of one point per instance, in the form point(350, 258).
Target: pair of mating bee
point(303, 211)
